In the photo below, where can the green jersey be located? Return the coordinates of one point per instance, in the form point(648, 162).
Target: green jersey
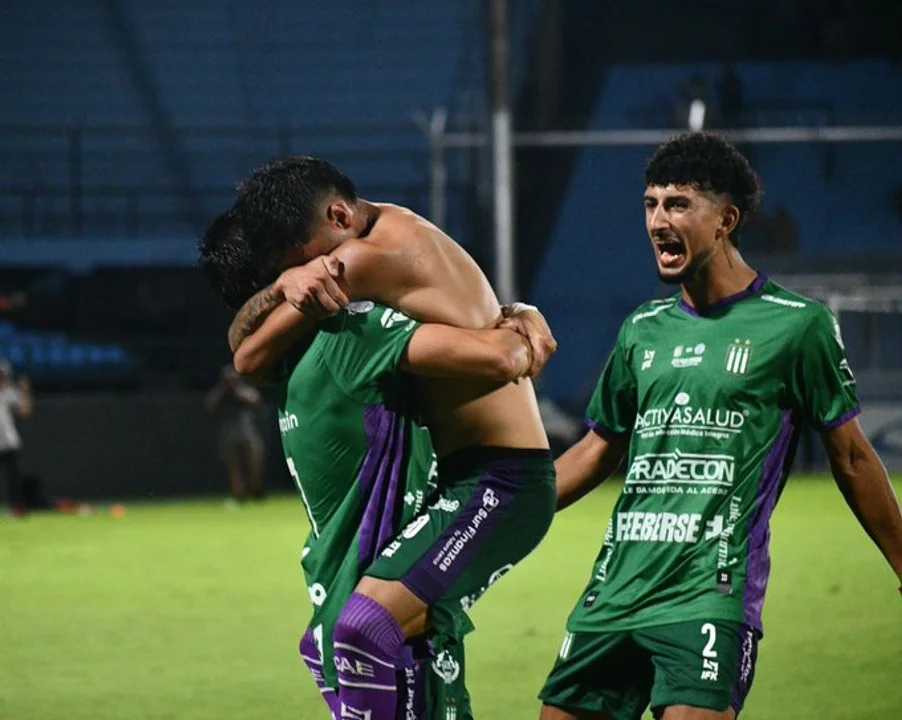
point(361, 460)
point(713, 403)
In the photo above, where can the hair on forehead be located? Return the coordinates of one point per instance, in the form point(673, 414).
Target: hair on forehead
point(709, 164)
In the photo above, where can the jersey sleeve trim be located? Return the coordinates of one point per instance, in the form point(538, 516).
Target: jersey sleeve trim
point(842, 419)
point(602, 431)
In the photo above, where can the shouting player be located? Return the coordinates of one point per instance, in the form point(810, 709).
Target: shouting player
point(703, 394)
point(495, 472)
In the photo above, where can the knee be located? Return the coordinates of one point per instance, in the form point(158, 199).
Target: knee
point(363, 620)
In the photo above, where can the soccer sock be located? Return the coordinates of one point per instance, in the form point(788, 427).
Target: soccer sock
point(314, 662)
point(367, 643)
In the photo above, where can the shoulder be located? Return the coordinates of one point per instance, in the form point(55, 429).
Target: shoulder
point(796, 310)
point(649, 310)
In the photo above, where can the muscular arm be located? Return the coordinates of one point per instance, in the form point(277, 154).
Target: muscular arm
point(587, 464)
point(862, 479)
point(257, 357)
point(267, 326)
point(445, 351)
point(253, 313)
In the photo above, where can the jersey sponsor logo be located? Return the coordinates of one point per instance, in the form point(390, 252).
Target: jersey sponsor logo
point(710, 663)
point(414, 499)
point(738, 355)
point(686, 420)
point(726, 533)
point(459, 539)
point(413, 529)
point(361, 307)
point(390, 318)
point(410, 679)
point(682, 468)
point(783, 301)
point(601, 573)
point(648, 357)
point(287, 422)
point(446, 667)
point(358, 668)
point(445, 505)
point(662, 527)
point(685, 356)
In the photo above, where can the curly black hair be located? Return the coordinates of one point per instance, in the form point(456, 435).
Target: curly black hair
point(228, 262)
point(279, 202)
point(707, 162)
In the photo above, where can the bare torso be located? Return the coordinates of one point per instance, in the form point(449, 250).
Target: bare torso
point(447, 286)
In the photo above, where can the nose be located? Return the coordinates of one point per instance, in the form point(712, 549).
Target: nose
point(657, 219)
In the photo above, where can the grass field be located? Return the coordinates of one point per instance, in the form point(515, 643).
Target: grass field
point(193, 612)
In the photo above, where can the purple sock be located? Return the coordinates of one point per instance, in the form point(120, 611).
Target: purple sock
point(314, 662)
point(367, 644)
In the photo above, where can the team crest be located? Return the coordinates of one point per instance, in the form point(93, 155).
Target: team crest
point(446, 667)
point(738, 354)
point(360, 307)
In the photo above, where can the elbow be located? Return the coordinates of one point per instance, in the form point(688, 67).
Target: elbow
point(246, 364)
point(510, 364)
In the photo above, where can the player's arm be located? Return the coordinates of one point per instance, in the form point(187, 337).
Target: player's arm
point(863, 481)
point(278, 316)
point(259, 355)
point(314, 290)
point(446, 351)
point(825, 390)
point(588, 464)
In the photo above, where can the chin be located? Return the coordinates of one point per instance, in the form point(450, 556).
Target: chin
point(672, 277)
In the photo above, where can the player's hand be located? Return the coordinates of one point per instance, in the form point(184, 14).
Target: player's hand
point(532, 325)
point(314, 288)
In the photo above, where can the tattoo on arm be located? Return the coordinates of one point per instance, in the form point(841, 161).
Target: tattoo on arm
point(252, 314)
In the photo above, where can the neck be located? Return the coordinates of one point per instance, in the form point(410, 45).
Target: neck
point(367, 213)
point(723, 276)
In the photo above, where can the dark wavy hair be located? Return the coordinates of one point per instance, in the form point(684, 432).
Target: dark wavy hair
point(707, 162)
point(228, 262)
point(279, 202)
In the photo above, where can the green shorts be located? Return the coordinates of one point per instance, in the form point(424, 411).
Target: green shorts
point(702, 664)
point(491, 509)
point(442, 684)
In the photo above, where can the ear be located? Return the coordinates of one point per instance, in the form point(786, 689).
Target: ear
point(339, 214)
point(729, 220)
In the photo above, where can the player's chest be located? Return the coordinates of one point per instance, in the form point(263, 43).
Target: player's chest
point(711, 366)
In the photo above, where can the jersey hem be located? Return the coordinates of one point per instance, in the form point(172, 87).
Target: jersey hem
point(602, 431)
point(842, 419)
point(599, 628)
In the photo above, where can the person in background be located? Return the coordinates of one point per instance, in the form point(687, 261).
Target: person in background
point(240, 444)
point(15, 402)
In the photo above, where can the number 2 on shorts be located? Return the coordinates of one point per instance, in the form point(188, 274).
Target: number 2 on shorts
point(711, 631)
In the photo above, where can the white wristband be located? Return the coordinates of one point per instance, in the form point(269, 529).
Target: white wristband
point(518, 307)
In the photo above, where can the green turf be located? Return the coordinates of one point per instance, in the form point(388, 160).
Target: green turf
point(193, 612)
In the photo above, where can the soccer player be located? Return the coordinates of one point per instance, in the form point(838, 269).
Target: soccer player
point(361, 460)
point(703, 394)
point(495, 468)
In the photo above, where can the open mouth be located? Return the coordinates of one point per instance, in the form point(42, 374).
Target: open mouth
point(671, 251)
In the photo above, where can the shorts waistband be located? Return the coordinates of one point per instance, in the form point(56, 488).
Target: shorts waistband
point(479, 456)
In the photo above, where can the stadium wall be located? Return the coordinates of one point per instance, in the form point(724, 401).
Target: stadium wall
point(137, 446)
